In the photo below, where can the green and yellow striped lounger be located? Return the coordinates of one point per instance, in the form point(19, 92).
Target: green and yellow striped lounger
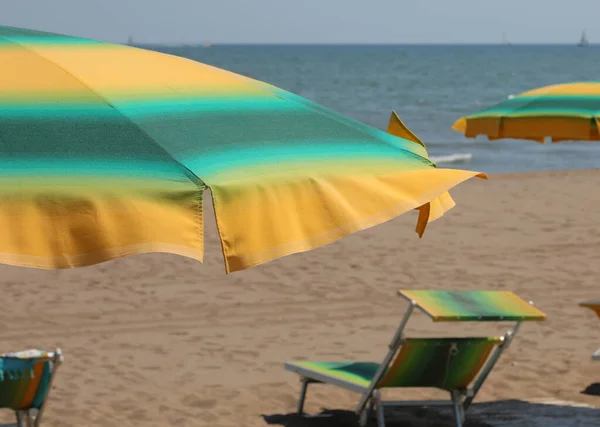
point(457, 365)
point(595, 307)
point(25, 381)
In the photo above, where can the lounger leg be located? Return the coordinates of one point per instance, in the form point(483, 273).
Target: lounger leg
point(302, 396)
point(19, 418)
point(458, 408)
point(383, 366)
point(379, 408)
point(508, 337)
point(366, 414)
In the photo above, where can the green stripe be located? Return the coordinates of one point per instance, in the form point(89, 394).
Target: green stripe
point(544, 105)
point(228, 105)
point(300, 151)
point(86, 167)
point(57, 111)
point(63, 41)
point(102, 110)
point(347, 121)
point(12, 35)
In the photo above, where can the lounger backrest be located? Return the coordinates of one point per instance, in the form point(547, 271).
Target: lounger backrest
point(446, 363)
point(24, 381)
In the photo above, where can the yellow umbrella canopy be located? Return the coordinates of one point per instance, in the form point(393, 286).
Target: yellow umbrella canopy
point(561, 112)
point(106, 151)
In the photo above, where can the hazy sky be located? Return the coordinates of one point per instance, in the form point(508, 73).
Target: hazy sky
point(310, 21)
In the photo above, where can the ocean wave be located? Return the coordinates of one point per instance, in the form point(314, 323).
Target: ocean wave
point(452, 158)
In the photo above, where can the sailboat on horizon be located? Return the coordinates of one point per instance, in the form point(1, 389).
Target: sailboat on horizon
point(505, 40)
point(584, 40)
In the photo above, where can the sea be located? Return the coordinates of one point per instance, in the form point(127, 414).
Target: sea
point(429, 86)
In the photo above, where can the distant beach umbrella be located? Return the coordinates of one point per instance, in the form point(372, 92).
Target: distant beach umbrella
point(106, 150)
point(560, 112)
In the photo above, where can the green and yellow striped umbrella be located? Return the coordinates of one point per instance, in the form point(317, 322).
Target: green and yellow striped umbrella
point(106, 150)
point(560, 112)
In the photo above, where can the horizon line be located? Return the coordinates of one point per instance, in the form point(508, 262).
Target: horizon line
point(177, 44)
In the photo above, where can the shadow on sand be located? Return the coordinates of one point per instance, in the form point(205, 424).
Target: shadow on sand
point(592, 389)
point(504, 413)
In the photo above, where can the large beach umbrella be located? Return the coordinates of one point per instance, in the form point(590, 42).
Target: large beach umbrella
point(106, 150)
point(560, 112)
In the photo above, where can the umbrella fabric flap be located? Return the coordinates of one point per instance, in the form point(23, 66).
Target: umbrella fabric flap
point(261, 222)
point(398, 128)
point(436, 208)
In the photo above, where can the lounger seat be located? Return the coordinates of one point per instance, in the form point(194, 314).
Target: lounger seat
point(354, 376)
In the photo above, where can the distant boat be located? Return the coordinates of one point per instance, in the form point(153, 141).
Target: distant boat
point(130, 41)
point(505, 40)
point(206, 44)
point(584, 40)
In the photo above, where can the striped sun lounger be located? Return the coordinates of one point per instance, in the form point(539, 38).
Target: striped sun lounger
point(594, 306)
point(25, 381)
point(456, 365)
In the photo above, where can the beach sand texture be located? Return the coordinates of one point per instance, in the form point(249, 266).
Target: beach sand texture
point(160, 340)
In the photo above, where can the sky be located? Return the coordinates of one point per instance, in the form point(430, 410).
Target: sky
point(310, 21)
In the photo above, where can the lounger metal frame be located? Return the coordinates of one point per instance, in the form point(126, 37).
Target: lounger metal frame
point(33, 417)
point(371, 400)
point(591, 305)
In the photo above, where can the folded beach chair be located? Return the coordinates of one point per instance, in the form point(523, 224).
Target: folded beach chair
point(25, 381)
point(456, 365)
point(594, 306)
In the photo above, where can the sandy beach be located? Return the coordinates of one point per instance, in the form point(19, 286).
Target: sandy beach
point(160, 340)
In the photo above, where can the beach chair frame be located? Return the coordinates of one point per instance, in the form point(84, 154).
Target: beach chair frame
point(33, 417)
point(371, 400)
point(595, 307)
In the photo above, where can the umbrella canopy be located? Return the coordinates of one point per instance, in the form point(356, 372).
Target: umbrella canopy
point(106, 150)
point(561, 112)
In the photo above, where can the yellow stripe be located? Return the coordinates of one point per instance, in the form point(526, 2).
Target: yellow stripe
point(260, 223)
point(31, 74)
point(49, 69)
point(38, 370)
point(534, 128)
point(98, 230)
point(566, 89)
point(107, 254)
point(460, 125)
